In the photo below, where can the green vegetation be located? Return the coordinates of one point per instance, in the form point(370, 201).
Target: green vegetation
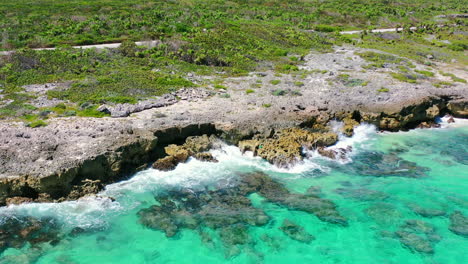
point(249, 91)
point(454, 78)
point(350, 82)
point(378, 60)
point(299, 84)
point(266, 105)
point(425, 73)
point(410, 78)
point(275, 82)
point(423, 45)
point(442, 84)
point(37, 123)
point(43, 23)
point(279, 92)
point(383, 90)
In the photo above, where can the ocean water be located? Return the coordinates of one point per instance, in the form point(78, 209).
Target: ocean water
point(396, 191)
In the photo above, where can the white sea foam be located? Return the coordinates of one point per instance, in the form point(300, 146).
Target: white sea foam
point(459, 122)
point(363, 136)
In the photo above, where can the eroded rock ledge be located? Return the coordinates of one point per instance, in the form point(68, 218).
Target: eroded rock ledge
point(74, 157)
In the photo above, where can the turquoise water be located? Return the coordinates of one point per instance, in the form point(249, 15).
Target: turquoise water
point(385, 183)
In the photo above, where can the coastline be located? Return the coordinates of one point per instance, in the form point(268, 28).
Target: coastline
point(75, 156)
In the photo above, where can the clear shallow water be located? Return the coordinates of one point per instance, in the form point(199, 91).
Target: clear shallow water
point(374, 206)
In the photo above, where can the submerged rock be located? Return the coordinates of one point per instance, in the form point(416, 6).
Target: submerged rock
point(17, 231)
point(362, 194)
point(230, 212)
point(379, 164)
point(415, 242)
point(459, 224)
point(426, 212)
point(296, 232)
point(418, 236)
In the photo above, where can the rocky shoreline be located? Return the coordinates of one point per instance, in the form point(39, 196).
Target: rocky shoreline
point(73, 156)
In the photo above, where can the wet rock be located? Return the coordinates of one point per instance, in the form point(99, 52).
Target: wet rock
point(348, 127)
point(165, 164)
point(379, 164)
point(426, 212)
point(296, 232)
point(459, 108)
point(18, 231)
point(87, 187)
point(18, 200)
point(428, 125)
point(415, 242)
point(193, 146)
point(459, 224)
point(205, 156)
point(285, 147)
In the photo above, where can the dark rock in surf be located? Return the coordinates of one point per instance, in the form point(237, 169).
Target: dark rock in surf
point(296, 232)
point(459, 224)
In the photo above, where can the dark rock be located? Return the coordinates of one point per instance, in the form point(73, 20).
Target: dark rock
point(415, 242)
point(426, 212)
point(165, 164)
point(205, 156)
point(362, 194)
point(18, 200)
point(296, 232)
point(459, 224)
point(379, 164)
point(418, 226)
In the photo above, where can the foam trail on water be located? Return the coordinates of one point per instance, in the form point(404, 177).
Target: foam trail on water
point(364, 135)
point(85, 212)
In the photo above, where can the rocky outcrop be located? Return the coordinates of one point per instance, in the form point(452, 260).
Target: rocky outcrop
point(88, 176)
point(193, 146)
point(458, 108)
point(285, 147)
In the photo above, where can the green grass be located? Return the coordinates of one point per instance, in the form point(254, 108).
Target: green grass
point(249, 91)
point(453, 77)
point(275, 82)
point(266, 105)
point(299, 84)
point(442, 84)
point(425, 73)
point(37, 123)
point(383, 90)
point(409, 78)
point(418, 46)
point(279, 92)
